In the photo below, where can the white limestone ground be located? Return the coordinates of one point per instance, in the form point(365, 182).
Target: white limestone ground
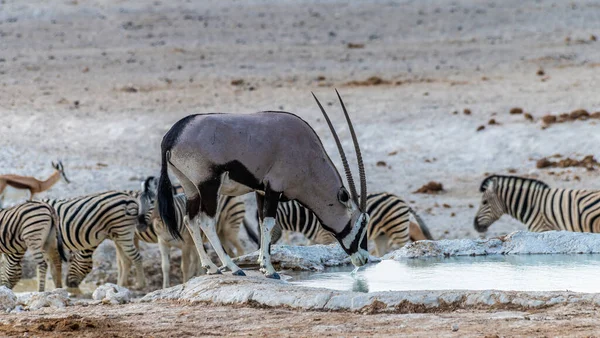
point(516, 243)
point(314, 257)
point(272, 293)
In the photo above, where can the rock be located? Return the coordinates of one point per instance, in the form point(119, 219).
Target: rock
point(516, 243)
point(454, 327)
point(58, 298)
point(112, 294)
point(313, 257)
point(8, 300)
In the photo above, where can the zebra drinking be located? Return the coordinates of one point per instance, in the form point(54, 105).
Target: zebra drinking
point(538, 206)
point(389, 224)
point(32, 225)
point(87, 221)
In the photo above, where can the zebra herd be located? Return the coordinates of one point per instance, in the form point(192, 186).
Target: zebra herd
point(159, 213)
point(79, 225)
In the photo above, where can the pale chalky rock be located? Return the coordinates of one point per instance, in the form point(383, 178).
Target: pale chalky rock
point(58, 298)
point(516, 243)
point(312, 257)
point(223, 289)
point(8, 300)
point(112, 294)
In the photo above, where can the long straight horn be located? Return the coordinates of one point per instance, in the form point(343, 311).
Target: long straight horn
point(361, 166)
point(341, 151)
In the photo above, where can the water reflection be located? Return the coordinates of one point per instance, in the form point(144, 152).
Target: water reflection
point(514, 272)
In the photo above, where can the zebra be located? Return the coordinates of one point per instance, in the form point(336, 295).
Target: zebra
point(389, 224)
point(31, 225)
point(228, 227)
point(87, 221)
point(538, 206)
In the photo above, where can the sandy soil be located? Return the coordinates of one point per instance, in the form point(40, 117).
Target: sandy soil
point(207, 320)
point(97, 83)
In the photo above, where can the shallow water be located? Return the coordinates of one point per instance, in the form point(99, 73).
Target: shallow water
point(31, 285)
point(579, 273)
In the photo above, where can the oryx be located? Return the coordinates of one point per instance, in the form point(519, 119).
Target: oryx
point(279, 157)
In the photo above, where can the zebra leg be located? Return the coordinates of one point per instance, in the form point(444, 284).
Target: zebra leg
point(80, 266)
point(131, 252)
point(189, 263)
point(123, 266)
point(42, 267)
point(52, 257)
point(11, 272)
point(267, 207)
point(165, 261)
point(380, 245)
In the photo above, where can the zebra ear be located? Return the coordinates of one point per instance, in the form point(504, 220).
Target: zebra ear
point(488, 183)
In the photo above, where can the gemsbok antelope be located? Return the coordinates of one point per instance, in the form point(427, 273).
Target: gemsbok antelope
point(278, 156)
point(31, 184)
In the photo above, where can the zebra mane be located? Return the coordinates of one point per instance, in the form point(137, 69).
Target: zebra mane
point(488, 179)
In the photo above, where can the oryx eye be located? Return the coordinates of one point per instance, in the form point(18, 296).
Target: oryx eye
point(343, 196)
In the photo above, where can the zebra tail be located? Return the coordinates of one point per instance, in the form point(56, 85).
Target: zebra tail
point(421, 224)
point(59, 240)
point(251, 234)
point(166, 205)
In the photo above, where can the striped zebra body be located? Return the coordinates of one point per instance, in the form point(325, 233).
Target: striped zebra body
point(32, 225)
point(538, 206)
point(389, 223)
point(87, 221)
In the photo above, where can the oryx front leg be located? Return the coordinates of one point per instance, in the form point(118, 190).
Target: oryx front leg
point(208, 227)
point(265, 249)
point(194, 228)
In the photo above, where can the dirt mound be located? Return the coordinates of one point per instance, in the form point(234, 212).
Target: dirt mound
point(588, 162)
point(576, 115)
point(372, 81)
point(73, 325)
point(430, 188)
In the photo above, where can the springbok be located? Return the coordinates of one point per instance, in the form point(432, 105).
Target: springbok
point(279, 157)
point(31, 184)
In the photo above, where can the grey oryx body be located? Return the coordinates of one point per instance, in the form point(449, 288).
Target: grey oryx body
point(30, 226)
point(275, 154)
point(30, 185)
point(538, 206)
point(390, 223)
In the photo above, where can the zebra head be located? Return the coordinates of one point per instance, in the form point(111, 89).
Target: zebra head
point(491, 208)
point(146, 202)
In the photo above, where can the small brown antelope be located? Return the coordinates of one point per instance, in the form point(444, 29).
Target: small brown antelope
point(278, 156)
point(31, 184)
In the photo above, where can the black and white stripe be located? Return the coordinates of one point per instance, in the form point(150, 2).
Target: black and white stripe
point(87, 221)
point(389, 222)
point(538, 206)
point(31, 225)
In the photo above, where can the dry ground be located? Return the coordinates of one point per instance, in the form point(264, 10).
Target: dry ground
point(184, 320)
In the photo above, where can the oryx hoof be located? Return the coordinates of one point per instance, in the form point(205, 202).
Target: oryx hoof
point(224, 268)
point(273, 275)
point(216, 272)
point(240, 272)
